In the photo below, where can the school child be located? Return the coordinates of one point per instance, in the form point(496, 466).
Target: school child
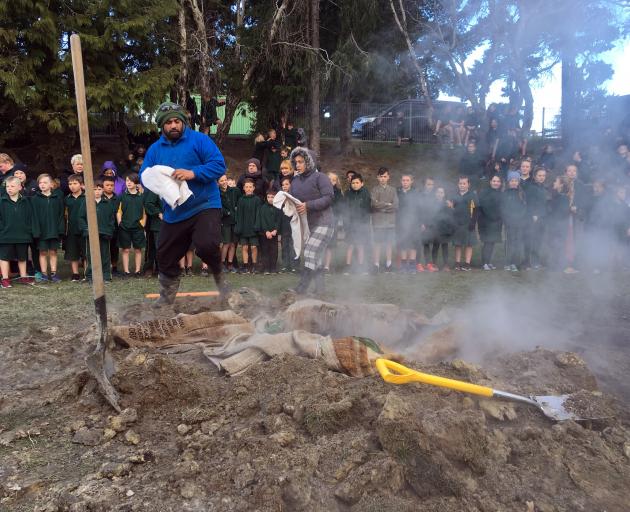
point(291, 135)
point(599, 229)
point(74, 241)
point(384, 207)
point(246, 215)
point(268, 227)
point(286, 171)
point(620, 219)
point(153, 208)
point(106, 222)
point(490, 220)
point(229, 201)
point(272, 156)
point(536, 199)
point(337, 206)
point(131, 219)
point(559, 226)
point(284, 153)
point(48, 209)
point(407, 224)
point(109, 185)
point(231, 182)
point(16, 231)
point(465, 211)
point(357, 207)
point(443, 228)
point(514, 216)
point(349, 176)
point(427, 208)
point(109, 169)
point(259, 147)
point(29, 188)
point(289, 263)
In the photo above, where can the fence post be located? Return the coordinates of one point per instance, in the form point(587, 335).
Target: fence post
point(542, 131)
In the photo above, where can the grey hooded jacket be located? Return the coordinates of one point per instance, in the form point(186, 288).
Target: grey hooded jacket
point(313, 188)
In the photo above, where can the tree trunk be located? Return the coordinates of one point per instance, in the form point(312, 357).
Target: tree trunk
point(528, 98)
point(182, 81)
point(204, 55)
point(570, 91)
point(314, 98)
point(345, 121)
point(231, 104)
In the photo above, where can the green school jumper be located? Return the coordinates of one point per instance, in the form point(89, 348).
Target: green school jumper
point(246, 215)
point(131, 231)
point(74, 239)
point(106, 221)
point(49, 220)
point(16, 227)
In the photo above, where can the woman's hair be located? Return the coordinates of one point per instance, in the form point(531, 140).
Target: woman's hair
point(6, 159)
point(76, 159)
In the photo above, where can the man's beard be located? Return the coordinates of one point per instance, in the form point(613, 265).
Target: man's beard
point(173, 134)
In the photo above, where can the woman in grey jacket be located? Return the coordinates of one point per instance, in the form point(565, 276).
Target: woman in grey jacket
point(316, 192)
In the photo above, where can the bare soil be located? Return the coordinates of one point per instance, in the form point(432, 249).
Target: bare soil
point(291, 435)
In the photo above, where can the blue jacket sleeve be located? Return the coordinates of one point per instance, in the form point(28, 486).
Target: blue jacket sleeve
point(213, 166)
point(149, 160)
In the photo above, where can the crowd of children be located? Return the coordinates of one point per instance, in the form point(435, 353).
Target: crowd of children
point(567, 217)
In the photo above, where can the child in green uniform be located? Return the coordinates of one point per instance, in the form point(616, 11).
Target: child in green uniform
point(465, 210)
point(268, 226)
point(16, 230)
point(153, 209)
point(131, 219)
point(229, 200)
point(337, 206)
point(109, 186)
point(74, 241)
point(246, 215)
point(357, 207)
point(106, 221)
point(48, 209)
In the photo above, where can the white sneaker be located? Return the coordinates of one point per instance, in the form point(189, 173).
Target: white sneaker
point(513, 268)
point(507, 267)
point(486, 266)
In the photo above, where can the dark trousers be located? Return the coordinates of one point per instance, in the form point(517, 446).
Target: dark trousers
point(269, 253)
point(113, 249)
point(486, 253)
point(106, 263)
point(514, 245)
point(536, 242)
point(435, 249)
point(150, 255)
point(288, 254)
point(203, 230)
point(428, 254)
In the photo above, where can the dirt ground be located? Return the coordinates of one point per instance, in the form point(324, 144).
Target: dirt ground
point(291, 435)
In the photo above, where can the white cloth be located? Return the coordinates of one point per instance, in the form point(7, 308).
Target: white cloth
point(158, 179)
point(299, 223)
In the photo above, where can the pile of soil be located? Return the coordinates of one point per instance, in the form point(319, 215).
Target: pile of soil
point(292, 435)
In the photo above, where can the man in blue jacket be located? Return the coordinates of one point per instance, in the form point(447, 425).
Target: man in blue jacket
point(197, 160)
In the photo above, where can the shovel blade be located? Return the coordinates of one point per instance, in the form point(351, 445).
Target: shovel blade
point(553, 406)
point(101, 367)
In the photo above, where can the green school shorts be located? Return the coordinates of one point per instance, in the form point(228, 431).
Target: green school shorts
point(131, 238)
point(10, 252)
point(249, 240)
point(48, 245)
point(227, 235)
point(74, 248)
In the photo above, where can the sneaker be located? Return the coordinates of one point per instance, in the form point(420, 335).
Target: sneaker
point(126, 275)
point(466, 267)
point(205, 273)
point(507, 267)
point(138, 275)
point(492, 267)
point(225, 268)
point(458, 266)
point(388, 269)
point(233, 269)
point(243, 270)
point(486, 267)
point(431, 268)
point(419, 267)
point(75, 278)
point(189, 272)
point(513, 268)
point(54, 278)
point(39, 277)
point(266, 273)
point(182, 272)
point(26, 280)
point(5, 283)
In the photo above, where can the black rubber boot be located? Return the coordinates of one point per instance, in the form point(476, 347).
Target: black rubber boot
point(222, 285)
point(168, 289)
point(305, 280)
point(319, 282)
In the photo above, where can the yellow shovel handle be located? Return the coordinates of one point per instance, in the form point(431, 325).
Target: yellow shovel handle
point(404, 375)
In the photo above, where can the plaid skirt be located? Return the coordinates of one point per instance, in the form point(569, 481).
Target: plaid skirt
point(315, 246)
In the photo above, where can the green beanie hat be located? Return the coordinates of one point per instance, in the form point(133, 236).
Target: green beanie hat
point(169, 110)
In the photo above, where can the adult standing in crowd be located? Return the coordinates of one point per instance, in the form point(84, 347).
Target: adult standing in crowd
point(6, 167)
point(316, 192)
point(198, 161)
point(209, 114)
point(76, 167)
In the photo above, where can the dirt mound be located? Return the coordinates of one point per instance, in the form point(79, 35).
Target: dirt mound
point(292, 435)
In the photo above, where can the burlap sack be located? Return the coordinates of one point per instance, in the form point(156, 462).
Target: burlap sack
point(213, 327)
